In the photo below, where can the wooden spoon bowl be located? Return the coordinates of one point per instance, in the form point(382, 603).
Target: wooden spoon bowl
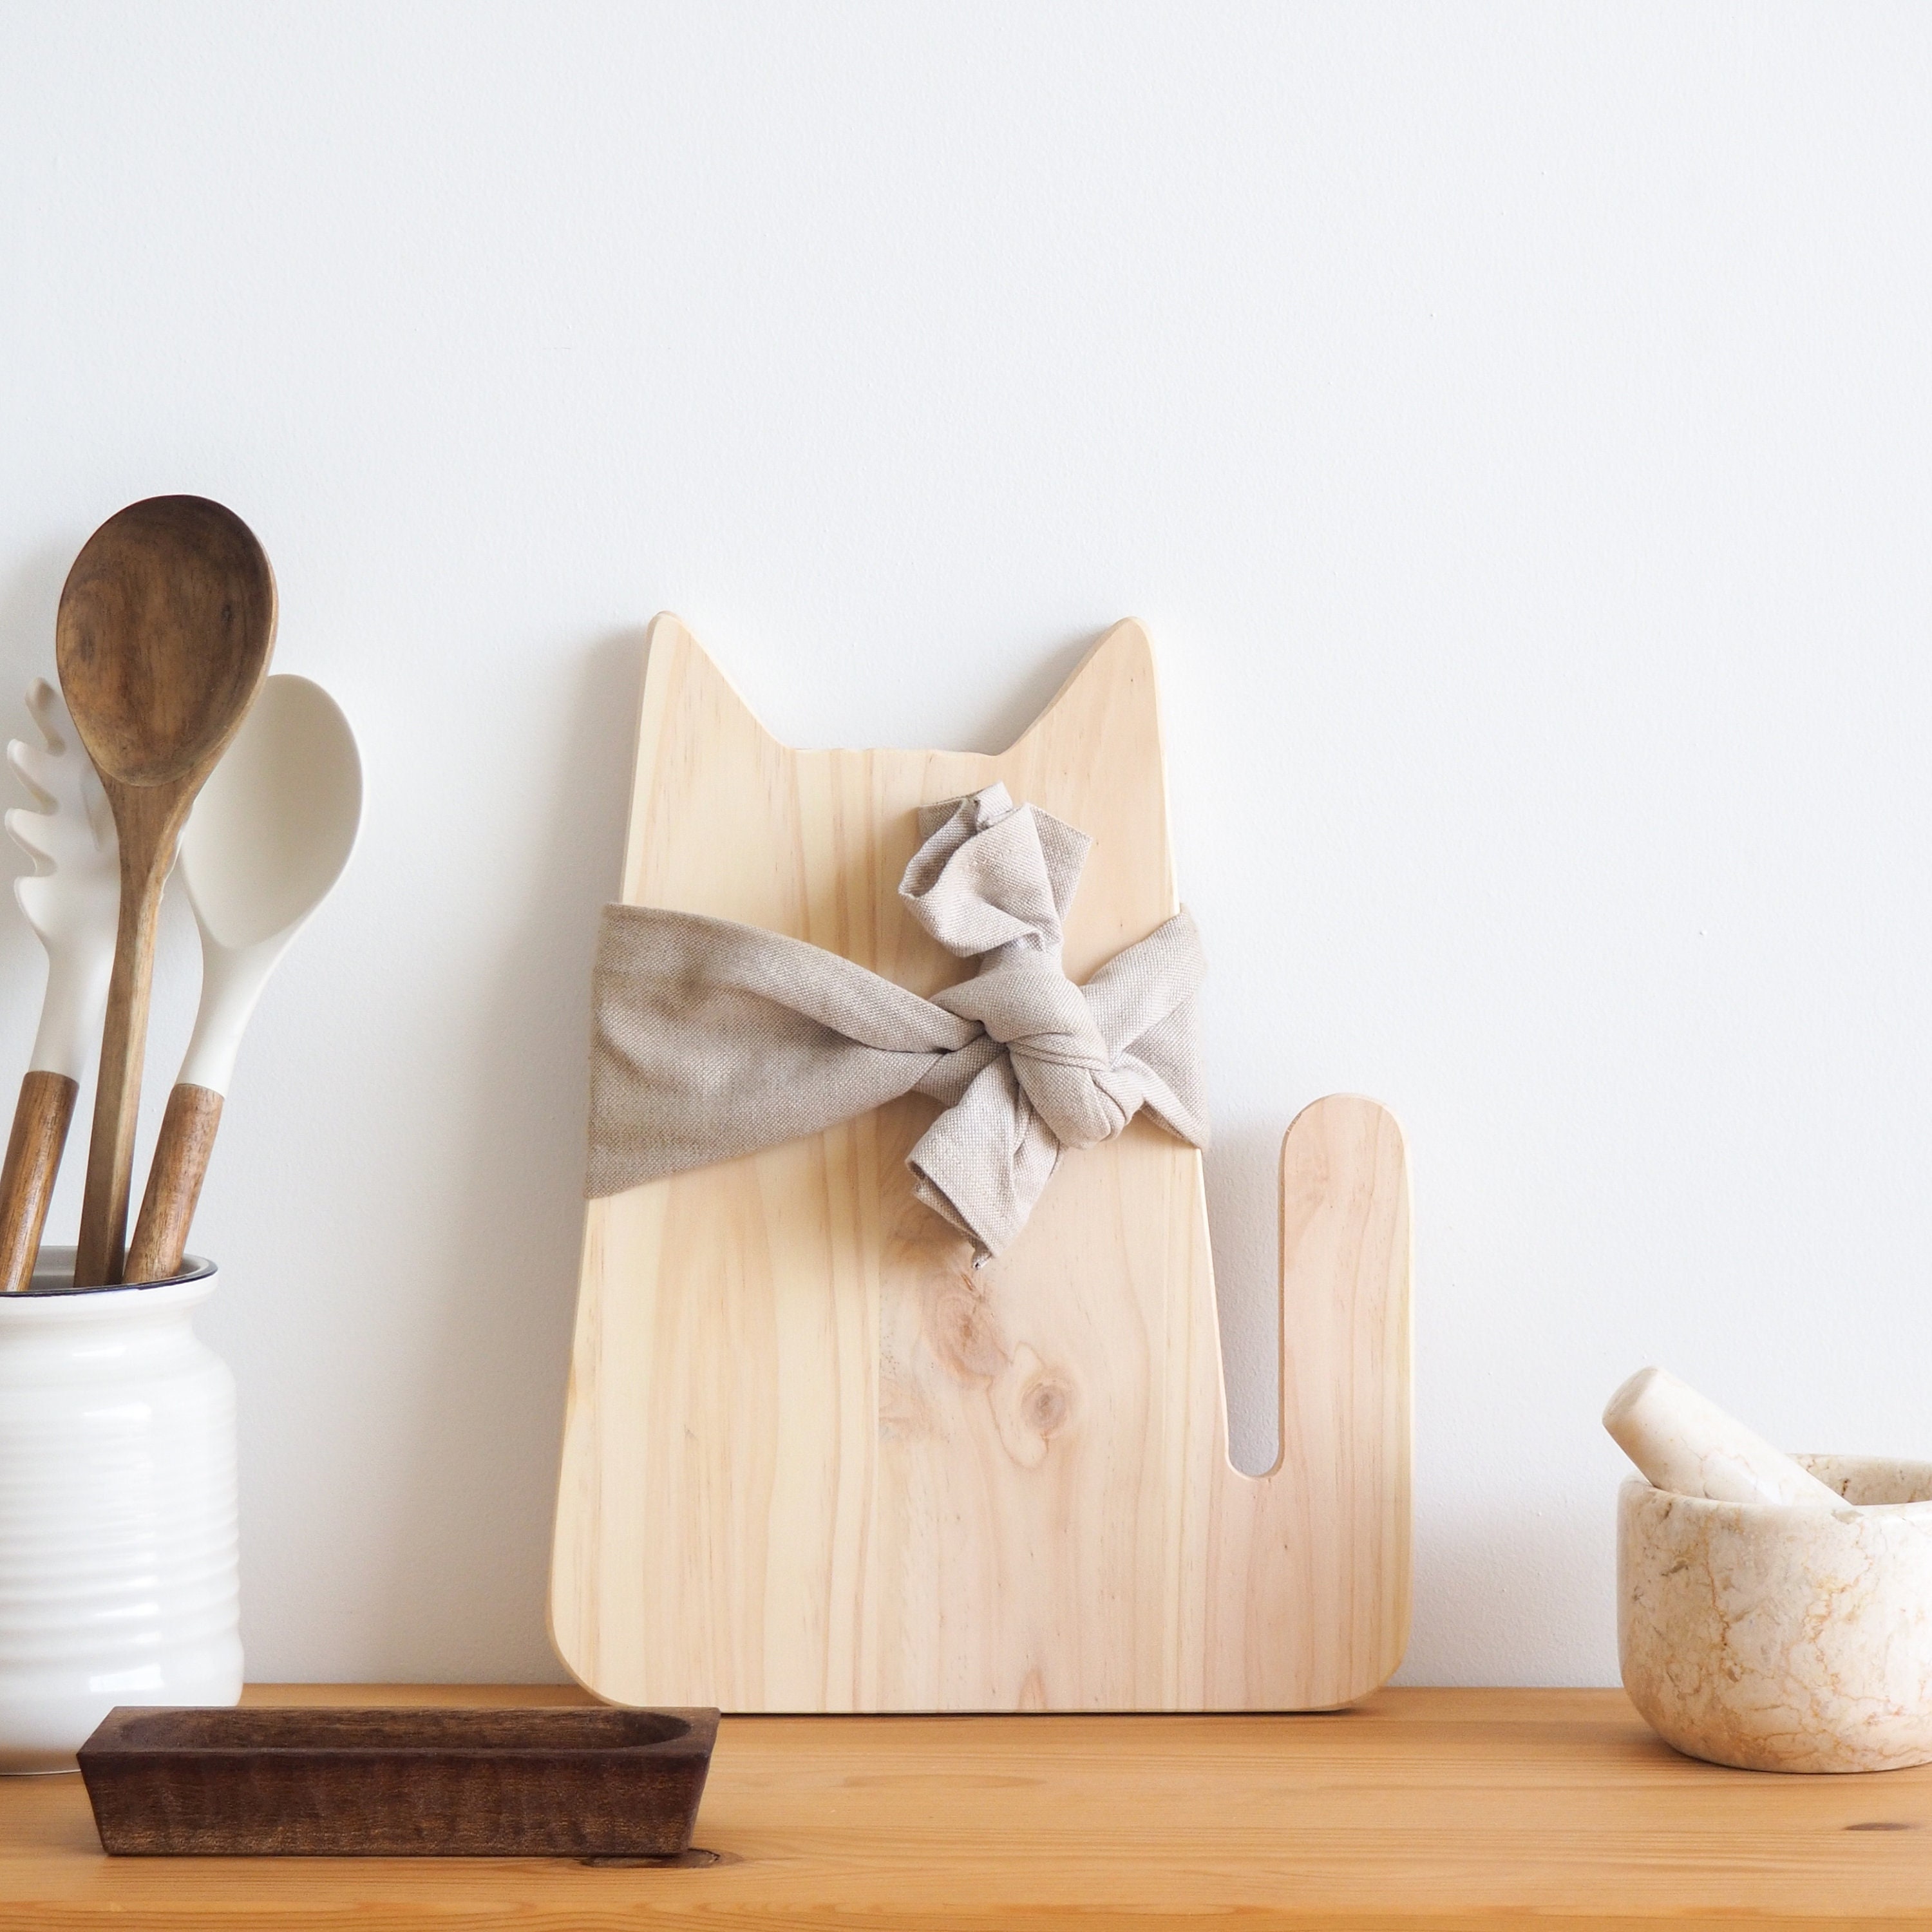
point(166, 626)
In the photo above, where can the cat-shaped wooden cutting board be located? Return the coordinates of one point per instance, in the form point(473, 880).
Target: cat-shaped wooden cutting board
point(813, 1461)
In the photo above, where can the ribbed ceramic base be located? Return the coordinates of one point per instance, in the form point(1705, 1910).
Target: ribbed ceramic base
point(117, 1571)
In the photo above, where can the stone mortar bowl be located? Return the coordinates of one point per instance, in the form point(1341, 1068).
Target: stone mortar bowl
point(1777, 1637)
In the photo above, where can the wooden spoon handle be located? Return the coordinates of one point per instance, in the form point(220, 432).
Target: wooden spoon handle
point(124, 1041)
point(174, 1182)
point(27, 1182)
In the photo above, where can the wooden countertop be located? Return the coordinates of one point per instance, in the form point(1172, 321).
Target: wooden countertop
point(1436, 1808)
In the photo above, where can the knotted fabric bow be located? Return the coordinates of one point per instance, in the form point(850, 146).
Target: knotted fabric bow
point(711, 1040)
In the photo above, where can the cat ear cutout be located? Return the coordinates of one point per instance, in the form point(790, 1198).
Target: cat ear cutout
point(681, 681)
point(1110, 697)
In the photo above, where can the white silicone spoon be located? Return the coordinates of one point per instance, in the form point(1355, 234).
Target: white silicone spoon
point(73, 900)
point(271, 832)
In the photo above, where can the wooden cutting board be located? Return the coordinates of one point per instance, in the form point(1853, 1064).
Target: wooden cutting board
point(813, 1461)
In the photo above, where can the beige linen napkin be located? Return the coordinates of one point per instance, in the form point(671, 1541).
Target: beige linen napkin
point(711, 1040)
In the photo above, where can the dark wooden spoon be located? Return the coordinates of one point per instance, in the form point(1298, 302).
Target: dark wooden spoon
point(165, 628)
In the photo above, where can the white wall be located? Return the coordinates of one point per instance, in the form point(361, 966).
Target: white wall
point(1513, 422)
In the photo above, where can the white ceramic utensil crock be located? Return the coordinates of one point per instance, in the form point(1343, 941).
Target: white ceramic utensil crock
point(1783, 1637)
point(117, 1581)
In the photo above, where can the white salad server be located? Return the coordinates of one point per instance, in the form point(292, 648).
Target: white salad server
point(72, 899)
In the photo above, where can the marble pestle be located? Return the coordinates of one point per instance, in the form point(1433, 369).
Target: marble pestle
point(1686, 1445)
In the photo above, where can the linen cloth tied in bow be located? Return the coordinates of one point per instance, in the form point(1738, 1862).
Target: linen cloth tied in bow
point(712, 1039)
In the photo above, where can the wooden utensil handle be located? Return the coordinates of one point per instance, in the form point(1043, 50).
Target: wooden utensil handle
point(147, 849)
point(34, 1151)
point(174, 1183)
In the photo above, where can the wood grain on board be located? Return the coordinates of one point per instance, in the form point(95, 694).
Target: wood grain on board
point(1444, 1810)
point(813, 1461)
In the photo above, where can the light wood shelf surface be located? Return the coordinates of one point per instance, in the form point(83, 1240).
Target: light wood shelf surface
point(1435, 1808)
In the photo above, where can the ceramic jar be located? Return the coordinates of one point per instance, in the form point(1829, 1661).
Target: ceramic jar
point(117, 1581)
point(1783, 1637)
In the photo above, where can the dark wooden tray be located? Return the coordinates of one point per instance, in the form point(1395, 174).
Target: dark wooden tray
point(549, 1782)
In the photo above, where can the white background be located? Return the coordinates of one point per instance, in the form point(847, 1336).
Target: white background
point(1514, 423)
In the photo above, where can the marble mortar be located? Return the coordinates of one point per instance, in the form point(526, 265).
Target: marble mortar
point(1779, 1636)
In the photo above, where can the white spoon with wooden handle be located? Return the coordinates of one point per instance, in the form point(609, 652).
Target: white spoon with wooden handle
point(73, 900)
point(271, 832)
